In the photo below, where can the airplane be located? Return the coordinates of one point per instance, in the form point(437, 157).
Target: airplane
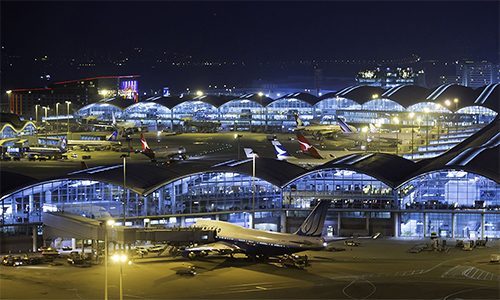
point(111, 140)
point(168, 152)
point(232, 238)
point(47, 151)
point(308, 148)
point(250, 153)
point(318, 130)
point(281, 152)
point(123, 128)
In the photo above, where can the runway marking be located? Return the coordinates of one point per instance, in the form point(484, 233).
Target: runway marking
point(471, 273)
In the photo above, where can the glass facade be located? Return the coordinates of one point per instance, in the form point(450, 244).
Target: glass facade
point(104, 111)
point(451, 203)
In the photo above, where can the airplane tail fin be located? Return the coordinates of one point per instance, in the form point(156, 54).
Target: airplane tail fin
point(314, 223)
point(298, 121)
point(113, 136)
point(63, 144)
point(144, 143)
point(306, 146)
point(373, 129)
point(250, 153)
point(344, 126)
point(281, 152)
point(84, 166)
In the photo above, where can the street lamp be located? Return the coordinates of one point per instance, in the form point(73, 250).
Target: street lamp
point(378, 125)
point(121, 259)
point(36, 113)
point(46, 108)
point(412, 146)
point(124, 187)
point(254, 155)
point(57, 115)
point(109, 223)
point(365, 130)
point(426, 111)
point(68, 103)
point(238, 136)
point(456, 116)
point(396, 121)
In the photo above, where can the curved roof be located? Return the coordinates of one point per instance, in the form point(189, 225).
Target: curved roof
point(306, 97)
point(406, 95)
point(488, 96)
point(479, 154)
point(263, 100)
point(361, 94)
point(13, 121)
point(10, 181)
point(388, 168)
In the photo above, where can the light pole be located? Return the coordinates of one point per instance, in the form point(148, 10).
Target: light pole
point(46, 108)
point(124, 188)
point(120, 259)
point(365, 130)
point(68, 103)
point(456, 116)
point(57, 116)
point(378, 125)
point(254, 155)
point(106, 254)
point(412, 146)
point(36, 113)
point(238, 136)
point(426, 111)
point(396, 121)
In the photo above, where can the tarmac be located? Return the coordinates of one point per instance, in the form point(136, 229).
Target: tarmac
point(376, 269)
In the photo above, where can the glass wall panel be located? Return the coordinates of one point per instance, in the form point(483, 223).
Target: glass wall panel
point(468, 226)
point(492, 225)
point(412, 224)
point(450, 189)
point(440, 223)
point(346, 189)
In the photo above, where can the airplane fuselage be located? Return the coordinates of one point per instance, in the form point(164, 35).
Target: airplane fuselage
point(259, 242)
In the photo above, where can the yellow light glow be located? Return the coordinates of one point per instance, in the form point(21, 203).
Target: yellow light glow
point(199, 93)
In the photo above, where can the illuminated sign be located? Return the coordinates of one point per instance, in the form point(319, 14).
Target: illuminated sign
point(129, 89)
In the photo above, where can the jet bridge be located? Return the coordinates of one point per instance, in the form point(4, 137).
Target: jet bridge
point(67, 225)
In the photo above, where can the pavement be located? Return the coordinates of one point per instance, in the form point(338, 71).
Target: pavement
point(377, 269)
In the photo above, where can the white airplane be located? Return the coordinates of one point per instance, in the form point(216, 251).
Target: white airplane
point(111, 140)
point(54, 152)
point(250, 153)
point(123, 128)
point(232, 238)
point(163, 152)
point(319, 130)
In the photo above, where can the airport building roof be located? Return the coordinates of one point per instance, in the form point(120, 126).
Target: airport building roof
point(405, 95)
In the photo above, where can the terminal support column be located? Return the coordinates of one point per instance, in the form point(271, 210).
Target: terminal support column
point(339, 218)
point(282, 222)
point(482, 226)
point(453, 220)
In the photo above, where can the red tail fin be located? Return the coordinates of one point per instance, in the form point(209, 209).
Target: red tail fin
point(84, 166)
point(144, 143)
point(306, 146)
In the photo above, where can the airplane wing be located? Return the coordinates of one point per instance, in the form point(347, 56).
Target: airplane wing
point(220, 247)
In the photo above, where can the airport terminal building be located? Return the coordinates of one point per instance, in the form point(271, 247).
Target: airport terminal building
point(455, 195)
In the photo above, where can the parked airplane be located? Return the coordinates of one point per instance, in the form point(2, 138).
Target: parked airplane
point(55, 152)
point(123, 128)
point(281, 152)
point(318, 130)
point(308, 148)
point(236, 239)
point(111, 140)
point(250, 153)
point(164, 152)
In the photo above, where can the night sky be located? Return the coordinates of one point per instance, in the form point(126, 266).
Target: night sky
point(234, 31)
